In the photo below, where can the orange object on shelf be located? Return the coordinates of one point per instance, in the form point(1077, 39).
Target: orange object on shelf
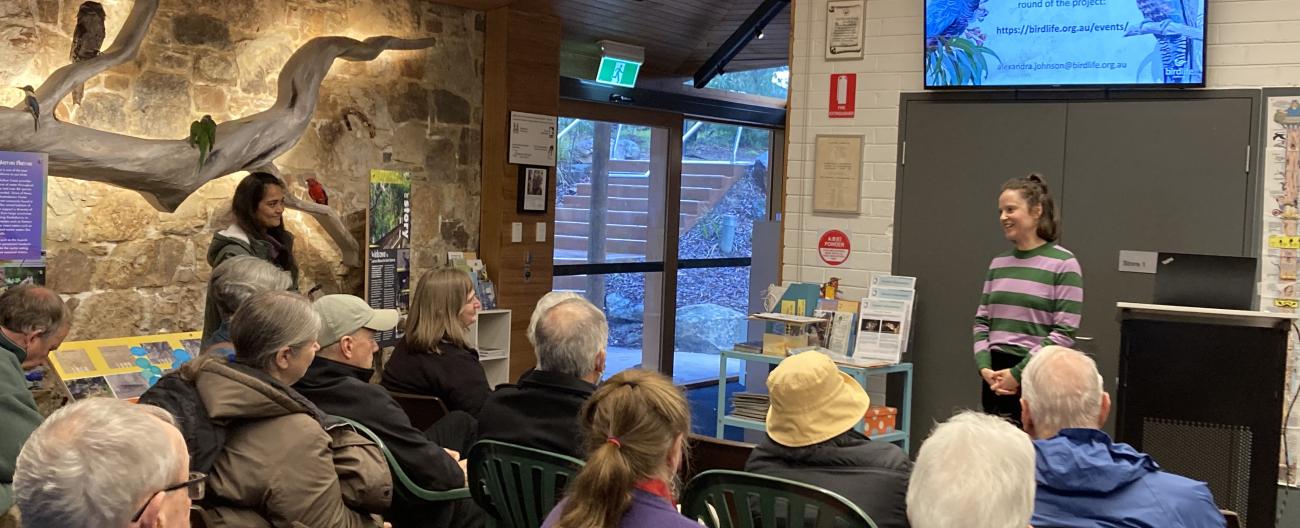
point(880, 420)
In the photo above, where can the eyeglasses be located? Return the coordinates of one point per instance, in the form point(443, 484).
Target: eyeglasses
point(195, 486)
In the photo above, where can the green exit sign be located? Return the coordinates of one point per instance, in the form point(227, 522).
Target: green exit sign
point(618, 72)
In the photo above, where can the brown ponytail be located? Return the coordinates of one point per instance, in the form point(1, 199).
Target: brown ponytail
point(1033, 190)
point(629, 426)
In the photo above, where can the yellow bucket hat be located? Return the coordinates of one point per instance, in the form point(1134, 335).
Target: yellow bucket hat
point(812, 401)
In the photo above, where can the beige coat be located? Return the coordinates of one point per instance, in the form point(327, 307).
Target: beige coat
point(280, 467)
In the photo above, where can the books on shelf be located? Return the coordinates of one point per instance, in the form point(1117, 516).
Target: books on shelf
point(750, 405)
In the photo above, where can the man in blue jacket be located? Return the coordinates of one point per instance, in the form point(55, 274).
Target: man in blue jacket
point(1084, 478)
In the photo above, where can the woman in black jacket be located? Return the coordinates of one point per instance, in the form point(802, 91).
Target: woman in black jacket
point(435, 357)
point(810, 439)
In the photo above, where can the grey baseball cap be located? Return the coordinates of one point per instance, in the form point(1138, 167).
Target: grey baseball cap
point(341, 315)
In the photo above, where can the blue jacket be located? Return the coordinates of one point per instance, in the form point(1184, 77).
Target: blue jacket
point(1086, 480)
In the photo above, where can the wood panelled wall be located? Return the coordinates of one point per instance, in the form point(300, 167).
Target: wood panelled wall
point(521, 73)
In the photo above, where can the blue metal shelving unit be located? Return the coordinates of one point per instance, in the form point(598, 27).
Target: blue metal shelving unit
point(901, 434)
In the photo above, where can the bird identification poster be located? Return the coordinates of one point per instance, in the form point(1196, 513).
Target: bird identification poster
point(532, 139)
point(120, 367)
point(388, 246)
point(22, 216)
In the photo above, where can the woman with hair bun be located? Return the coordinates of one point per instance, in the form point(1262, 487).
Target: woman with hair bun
point(634, 431)
point(1033, 294)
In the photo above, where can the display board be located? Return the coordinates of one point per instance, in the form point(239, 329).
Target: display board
point(122, 367)
point(388, 247)
point(23, 177)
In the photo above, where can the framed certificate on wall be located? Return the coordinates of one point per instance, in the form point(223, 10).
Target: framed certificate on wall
point(837, 174)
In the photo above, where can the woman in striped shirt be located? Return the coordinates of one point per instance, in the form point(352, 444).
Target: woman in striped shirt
point(1033, 295)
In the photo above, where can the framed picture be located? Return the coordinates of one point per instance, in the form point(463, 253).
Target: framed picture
point(533, 189)
point(837, 174)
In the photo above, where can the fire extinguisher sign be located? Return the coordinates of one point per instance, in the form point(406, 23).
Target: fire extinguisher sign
point(834, 247)
point(843, 88)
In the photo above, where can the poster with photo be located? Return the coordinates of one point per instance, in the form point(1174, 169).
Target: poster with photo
point(388, 248)
point(123, 367)
point(22, 217)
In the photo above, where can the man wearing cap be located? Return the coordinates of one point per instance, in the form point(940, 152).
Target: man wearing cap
point(810, 439)
point(338, 381)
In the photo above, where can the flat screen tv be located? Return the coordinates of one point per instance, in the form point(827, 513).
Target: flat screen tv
point(1064, 43)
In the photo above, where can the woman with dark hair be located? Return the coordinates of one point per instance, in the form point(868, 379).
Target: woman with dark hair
point(258, 230)
point(1033, 295)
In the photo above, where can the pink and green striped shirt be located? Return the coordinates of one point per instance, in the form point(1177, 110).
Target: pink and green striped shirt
point(1031, 299)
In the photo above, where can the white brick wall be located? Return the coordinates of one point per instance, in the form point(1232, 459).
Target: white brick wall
point(1252, 44)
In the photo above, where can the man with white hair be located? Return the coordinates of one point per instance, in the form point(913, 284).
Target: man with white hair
point(974, 470)
point(106, 463)
point(1084, 478)
point(545, 303)
point(542, 410)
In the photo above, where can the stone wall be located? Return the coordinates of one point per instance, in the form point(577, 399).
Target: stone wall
point(130, 269)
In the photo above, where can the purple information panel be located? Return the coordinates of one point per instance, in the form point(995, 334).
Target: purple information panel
point(22, 205)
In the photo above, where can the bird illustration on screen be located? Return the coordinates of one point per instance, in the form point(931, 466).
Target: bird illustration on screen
point(1166, 20)
point(949, 18)
point(203, 134)
point(317, 192)
point(33, 105)
point(87, 38)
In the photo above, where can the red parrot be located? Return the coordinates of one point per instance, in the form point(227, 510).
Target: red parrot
point(317, 192)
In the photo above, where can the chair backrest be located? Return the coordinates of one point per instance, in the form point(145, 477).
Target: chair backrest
point(198, 517)
point(707, 452)
point(1231, 517)
point(399, 475)
point(422, 410)
point(518, 486)
point(731, 499)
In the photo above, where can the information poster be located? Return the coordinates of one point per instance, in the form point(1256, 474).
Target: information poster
point(22, 217)
point(1278, 262)
point(837, 174)
point(844, 27)
point(388, 248)
point(121, 368)
point(532, 139)
point(1064, 42)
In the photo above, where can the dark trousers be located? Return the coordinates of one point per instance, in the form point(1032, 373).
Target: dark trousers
point(1005, 406)
point(457, 431)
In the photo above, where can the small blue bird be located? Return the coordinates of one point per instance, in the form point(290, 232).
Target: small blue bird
point(33, 105)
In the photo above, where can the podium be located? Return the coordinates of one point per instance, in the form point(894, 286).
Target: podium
point(1200, 390)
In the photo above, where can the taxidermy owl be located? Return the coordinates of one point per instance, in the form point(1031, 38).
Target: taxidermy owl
point(87, 38)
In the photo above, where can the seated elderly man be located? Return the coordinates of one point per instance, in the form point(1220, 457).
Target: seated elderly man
point(1085, 479)
point(542, 410)
point(338, 382)
point(106, 463)
point(33, 321)
point(974, 470)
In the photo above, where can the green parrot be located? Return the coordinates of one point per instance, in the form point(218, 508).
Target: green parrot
point(203, 134)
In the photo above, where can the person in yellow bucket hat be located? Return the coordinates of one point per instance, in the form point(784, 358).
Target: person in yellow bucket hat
point(810, 439)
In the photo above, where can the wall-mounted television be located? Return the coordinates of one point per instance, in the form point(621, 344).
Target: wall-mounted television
point(1064, 43)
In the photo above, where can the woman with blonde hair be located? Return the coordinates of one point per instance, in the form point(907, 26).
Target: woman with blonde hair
point(634, 430)
point(435, 357)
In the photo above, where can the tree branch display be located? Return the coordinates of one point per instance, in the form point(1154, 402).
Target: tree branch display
point(166, 172)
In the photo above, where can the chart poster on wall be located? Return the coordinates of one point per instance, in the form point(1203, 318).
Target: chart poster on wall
point(1281, 242)
point(1064, 42)
point(844, 28)
point(837, 174)
point(388, 246)
point(532, 139)
point(22, 217)
point(121, 367)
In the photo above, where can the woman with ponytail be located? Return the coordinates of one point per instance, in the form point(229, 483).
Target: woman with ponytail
point(1033, 295)
point(634, 431)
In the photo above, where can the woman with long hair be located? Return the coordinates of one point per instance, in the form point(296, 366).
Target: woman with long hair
point(269, 453)
point(435, 356)
point(1033, 294)
point(258, 230)
point(634, 431)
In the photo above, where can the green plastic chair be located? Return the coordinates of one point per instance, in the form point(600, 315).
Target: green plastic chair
point(735, 499)
point(400, 476)
point(518, 486)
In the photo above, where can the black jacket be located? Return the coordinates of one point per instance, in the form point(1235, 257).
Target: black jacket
point(540, 412)
point(343, 390)
point(451, 373)
point(204, 438)
point(872, 475)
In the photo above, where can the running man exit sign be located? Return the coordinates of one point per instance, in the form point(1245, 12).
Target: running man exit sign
point(618, 72)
